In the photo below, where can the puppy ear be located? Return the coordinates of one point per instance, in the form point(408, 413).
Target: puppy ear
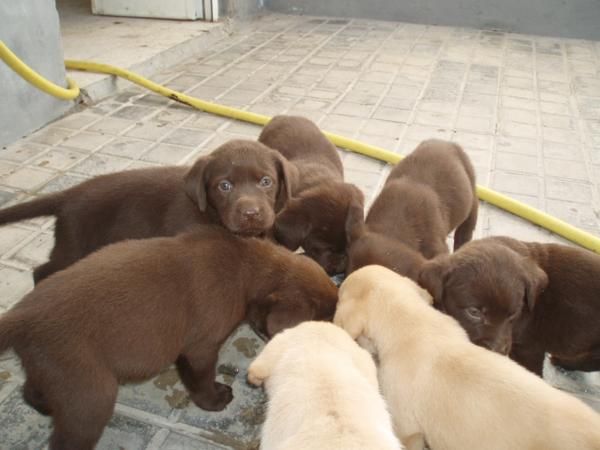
point(286, 314)
point(536, 281)
point(261, 368)
point(433, 275)
point(292, 225)
point(348, 320)
point(355, 222)
point(289, 178)
point(195, 182)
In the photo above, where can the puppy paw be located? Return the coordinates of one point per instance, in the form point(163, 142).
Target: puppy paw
point(256, 377)
point(217, 400)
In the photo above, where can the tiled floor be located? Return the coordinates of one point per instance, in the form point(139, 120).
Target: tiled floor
point(525, 108)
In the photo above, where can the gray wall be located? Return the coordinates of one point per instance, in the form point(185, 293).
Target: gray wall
point(241, 9)
point(564, 18)
point(30, 29)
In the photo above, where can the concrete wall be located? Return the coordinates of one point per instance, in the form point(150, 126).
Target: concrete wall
point(564, 18)
point(30, 29)
point(240, 9)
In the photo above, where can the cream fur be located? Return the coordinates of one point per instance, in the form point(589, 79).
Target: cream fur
point(446, 391)
point(323, 392)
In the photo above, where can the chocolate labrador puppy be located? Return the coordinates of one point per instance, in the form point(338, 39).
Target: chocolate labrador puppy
point(315, 217)
point(426, 195)
point(241, 185)
point(132, 308)
point(523, 298)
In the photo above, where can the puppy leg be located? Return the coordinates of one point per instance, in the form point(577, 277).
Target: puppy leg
point(59, 256)
point(464, 232)
point(196, 368)
point(261, 368)
point(529, 356)
point(81, 408)
point(45, 270)
point(35, 398)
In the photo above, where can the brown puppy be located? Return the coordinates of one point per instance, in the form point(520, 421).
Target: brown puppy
point(315, 218)
point(523, 297)
point(426, 196)
point(241, 185)
point(132, 308)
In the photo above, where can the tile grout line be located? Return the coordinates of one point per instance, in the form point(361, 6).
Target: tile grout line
point(298, 65)
point(275, 85)
point(227, 120)
point(540, 130)
point(388, 167)
point(418, 99)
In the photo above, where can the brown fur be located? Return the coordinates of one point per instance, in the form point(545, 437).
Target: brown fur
point(130, 309)
point(162, 202)
point(315, 218)
point(534, 298)
point(426, 196)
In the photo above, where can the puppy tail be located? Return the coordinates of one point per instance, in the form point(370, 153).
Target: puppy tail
point(48, 205)
point(10, 326)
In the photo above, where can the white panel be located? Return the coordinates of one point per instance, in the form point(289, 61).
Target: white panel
point(172, 9)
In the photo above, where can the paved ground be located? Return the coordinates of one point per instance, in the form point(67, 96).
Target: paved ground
point(526, 109)
point(144, 45)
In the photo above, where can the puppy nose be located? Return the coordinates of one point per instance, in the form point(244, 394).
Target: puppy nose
point(251, 213)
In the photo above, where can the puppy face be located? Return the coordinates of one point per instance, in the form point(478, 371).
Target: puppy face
point(317, 335)
point(316, 221)
point(245, 182)
point(307, 293)
point(488, 288)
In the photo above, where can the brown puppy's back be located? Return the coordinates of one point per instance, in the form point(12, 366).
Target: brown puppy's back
point(443, 167)
point(301, 142)
point(124, 312)
point(161, 185)
point(427, 195)
point(135, 204)
point(132, 308)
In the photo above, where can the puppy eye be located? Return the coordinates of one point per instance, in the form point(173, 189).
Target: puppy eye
point(266, 181)
point(225, 186)
point(474, 314)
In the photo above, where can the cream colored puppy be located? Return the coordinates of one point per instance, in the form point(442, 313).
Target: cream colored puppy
point(443, 389)
point(323, 392)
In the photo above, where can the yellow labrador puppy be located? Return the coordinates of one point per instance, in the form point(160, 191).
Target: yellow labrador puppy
point(323, 392)
point(446, 391)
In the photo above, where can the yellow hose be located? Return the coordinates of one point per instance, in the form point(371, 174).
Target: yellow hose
point(515, 207)
point(36, 79)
